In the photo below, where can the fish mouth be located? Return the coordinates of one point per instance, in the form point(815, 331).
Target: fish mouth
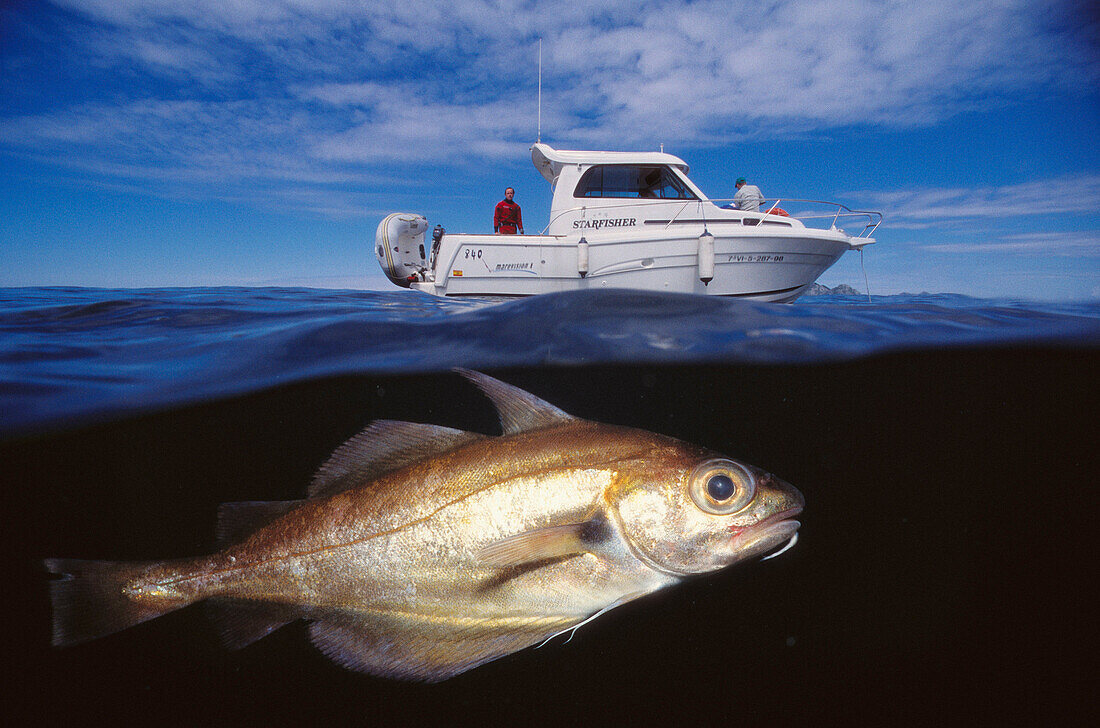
point(774, 531)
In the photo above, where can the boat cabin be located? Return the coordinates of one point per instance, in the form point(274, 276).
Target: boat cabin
point(589, 186)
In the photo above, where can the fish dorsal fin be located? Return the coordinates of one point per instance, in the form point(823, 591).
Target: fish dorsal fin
point(551, 542)
point(519, 411)
point(383, 447)
point(239, 519)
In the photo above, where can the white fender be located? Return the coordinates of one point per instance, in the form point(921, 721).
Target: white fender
point(706, 257)
point(582, 257)
point(399, 246)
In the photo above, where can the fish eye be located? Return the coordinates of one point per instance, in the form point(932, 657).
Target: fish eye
point(722, 487)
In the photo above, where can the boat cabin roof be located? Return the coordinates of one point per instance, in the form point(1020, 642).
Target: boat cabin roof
point(549, 161)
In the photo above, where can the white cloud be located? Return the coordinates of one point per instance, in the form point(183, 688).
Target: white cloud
point(1085, 244)
point(925, 207)
point(312, 91)
point(787, 63)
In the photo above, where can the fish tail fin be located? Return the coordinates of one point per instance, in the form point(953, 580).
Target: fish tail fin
point(91, 599)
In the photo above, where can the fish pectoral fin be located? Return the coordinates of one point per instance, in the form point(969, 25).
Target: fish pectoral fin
point(383, 447)
point(545, 543)
point(240, 622)
point(551, 542)
point(239, 519)
point(423, 647)
point(519, 410)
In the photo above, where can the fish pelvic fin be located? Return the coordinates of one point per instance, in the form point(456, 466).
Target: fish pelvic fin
point(519, 410)
point(92, 599)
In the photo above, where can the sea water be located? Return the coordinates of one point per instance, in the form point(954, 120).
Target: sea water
point(946, 447)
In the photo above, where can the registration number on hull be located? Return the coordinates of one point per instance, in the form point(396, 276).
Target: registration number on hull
point(739, 258)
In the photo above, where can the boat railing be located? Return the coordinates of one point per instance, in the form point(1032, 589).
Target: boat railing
point(870, 219)
point(835, 213)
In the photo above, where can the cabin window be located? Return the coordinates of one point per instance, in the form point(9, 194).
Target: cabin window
point(632, 181)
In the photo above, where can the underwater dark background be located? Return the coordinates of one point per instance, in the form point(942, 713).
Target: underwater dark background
point(941, 573)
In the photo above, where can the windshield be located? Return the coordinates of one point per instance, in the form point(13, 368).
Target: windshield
point(632, 181)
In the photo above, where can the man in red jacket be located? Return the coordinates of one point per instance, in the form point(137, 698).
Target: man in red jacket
point(507, 218)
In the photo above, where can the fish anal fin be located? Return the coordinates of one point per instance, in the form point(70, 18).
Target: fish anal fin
point(425, 648)
point(240, 623)
point(519, 410)
point(384, 446)
point(239, 519)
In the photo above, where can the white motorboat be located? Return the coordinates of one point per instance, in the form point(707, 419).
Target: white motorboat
point(629, 220)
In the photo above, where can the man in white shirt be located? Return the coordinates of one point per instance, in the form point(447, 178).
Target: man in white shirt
point(748, 197)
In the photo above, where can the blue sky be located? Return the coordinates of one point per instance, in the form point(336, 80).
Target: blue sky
point(259, 142)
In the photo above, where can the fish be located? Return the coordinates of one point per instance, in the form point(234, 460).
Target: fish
point(422, 551)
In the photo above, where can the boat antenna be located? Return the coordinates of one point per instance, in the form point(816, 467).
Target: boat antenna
point(538, 133)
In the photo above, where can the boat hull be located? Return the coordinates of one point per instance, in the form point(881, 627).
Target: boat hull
point(775, 267)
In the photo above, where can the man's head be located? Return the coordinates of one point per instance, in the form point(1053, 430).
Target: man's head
point(740, 183)
point(509, 194)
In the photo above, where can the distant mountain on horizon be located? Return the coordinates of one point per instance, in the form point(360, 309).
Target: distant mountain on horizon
point(842, 290)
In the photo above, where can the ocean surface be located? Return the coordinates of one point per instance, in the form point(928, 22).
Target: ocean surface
point(946, 447)
point(70, 356)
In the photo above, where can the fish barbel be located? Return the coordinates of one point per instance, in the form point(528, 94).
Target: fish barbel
point(424, 551)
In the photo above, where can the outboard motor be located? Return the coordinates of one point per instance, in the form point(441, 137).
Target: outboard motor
point(437, 238)
point(399, 246)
